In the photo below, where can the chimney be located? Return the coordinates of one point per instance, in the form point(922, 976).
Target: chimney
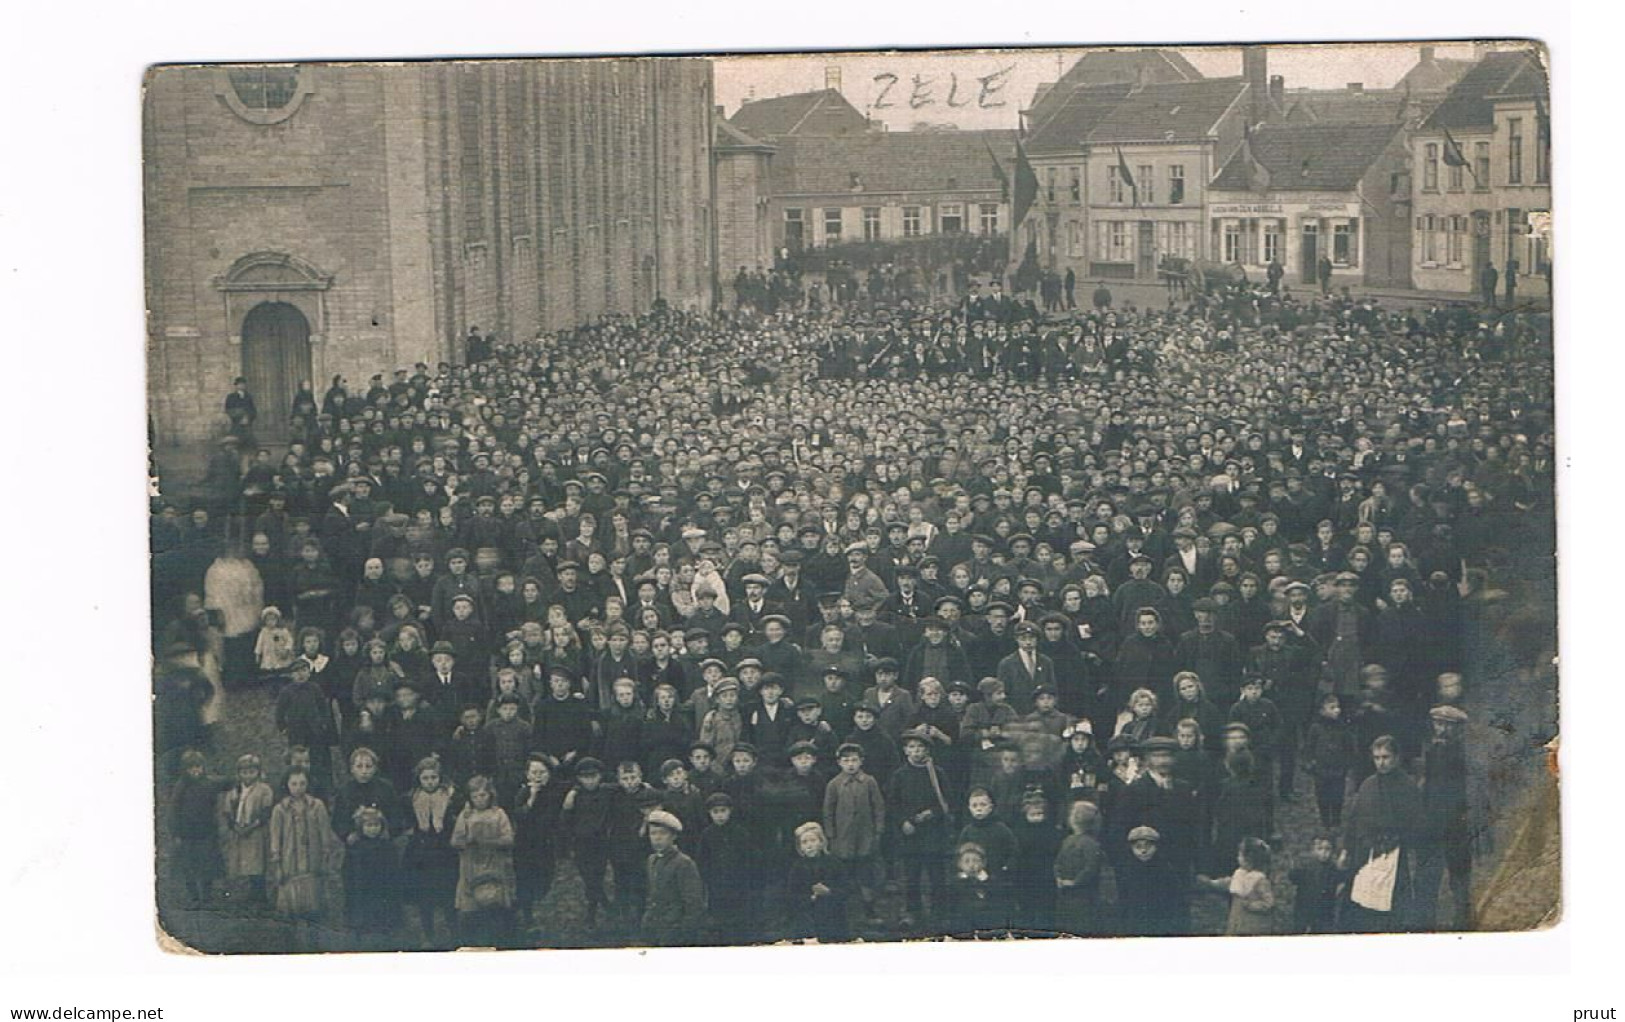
point(1427, 54)
point(1356, 86)
point(832, 78)
point(1255, 71)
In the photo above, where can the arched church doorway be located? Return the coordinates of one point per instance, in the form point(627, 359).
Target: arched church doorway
point(276, 358)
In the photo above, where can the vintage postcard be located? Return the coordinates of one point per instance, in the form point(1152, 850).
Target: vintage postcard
point(861, 496)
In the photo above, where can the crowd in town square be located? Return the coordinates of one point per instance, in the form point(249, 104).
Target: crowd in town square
point(843, 623)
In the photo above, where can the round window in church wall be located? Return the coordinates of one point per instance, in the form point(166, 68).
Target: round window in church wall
point(265, 88)
point(264, 94)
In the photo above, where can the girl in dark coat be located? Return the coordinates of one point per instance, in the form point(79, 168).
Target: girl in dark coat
point(623, 726)
point(1190, 702)
point(817, 890)
point(373, 881)
point(537, 807)
point(666, 734)
point(429, 813)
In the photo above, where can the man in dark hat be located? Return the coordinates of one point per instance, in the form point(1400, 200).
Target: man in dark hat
point(791, 592)
point(1159, 800)
point(752, 606)
point(447, 687)
point(1023, 671)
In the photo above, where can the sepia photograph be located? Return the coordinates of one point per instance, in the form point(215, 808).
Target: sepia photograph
point(810, 498)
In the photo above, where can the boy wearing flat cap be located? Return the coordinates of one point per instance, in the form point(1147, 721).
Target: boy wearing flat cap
point(918, 807)
point(674, 906)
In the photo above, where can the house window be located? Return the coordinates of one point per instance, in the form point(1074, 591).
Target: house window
point(1455, 176)
point(989, 215)
point(1113, 244)
point(951, 218)
point(1272, 241)
point(1174, 239)
point(1176, 184)
point(1232, 241)
point(1543, 148)
point(871, 223)
point(1454, 240)
point(1116, 187)
point(1430, 167)
point(911, 222)
point(1515, 150)
point(794, 236)
point(1074, 239)
point(1425, 226)
point(832, 225)
point(1481, 166)
point(1147, 184)
point(1346, 243)
point(1075, 185)
point(1049, 184)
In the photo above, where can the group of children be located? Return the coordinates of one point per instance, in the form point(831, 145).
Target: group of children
point(960, 823)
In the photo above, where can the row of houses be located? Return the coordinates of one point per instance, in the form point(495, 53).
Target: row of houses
point(1141, 161)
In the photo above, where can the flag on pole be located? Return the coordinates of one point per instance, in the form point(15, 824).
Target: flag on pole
point(998, 173)
point(1126, 177)
point(1026, 187)
point(1454, 157)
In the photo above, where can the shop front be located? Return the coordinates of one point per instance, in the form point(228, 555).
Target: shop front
point(1297, 235)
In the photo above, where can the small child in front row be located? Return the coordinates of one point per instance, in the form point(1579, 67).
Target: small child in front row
point(855, 821)
point(192, 826)
point(978, 899)
point(817, 889)
point(1252, 899)
point(1314, 905)
point(244, 812)
point(372, 878)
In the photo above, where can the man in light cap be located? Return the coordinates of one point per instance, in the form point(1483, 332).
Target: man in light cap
point(1448, 847)
point(674, 908)
point(755, 606)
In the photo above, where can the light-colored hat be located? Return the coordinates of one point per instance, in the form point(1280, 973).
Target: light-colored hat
point(661, 818)
point(1448, 713)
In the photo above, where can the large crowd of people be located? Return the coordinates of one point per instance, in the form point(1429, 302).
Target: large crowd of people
point(835, 623)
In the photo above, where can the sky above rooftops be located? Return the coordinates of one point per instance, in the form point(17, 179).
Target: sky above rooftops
point(973, 89)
